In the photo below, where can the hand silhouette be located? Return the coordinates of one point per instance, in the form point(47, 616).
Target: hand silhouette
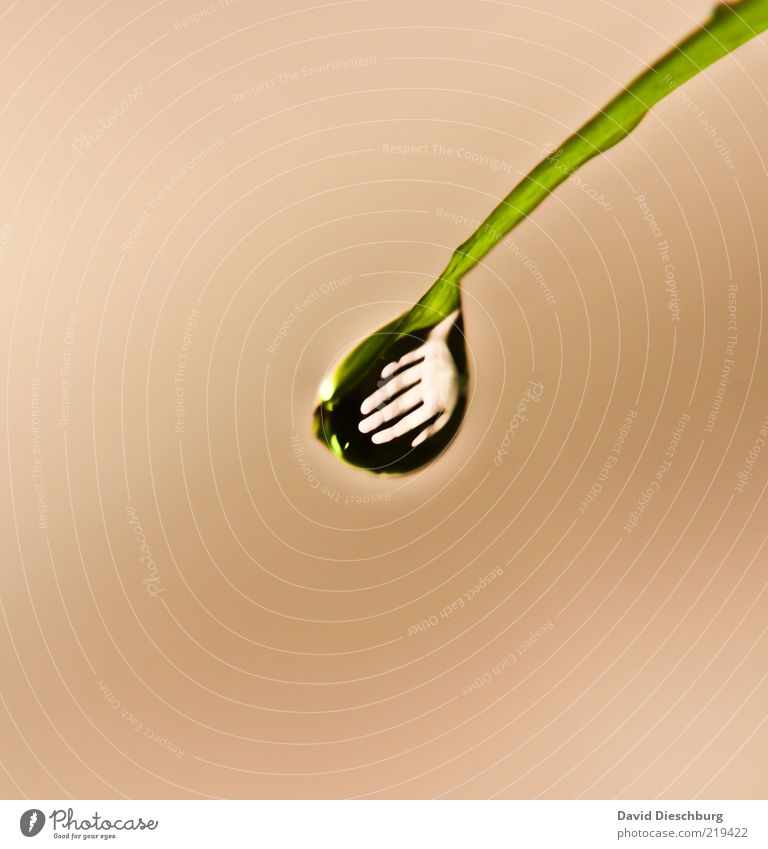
point(425, 382)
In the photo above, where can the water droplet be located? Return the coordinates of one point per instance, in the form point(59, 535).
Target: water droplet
point(396, 401)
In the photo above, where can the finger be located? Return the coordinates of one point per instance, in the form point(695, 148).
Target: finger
point(438, 424)
point(389, 369)
point(406, 359)
point(395, 408)
point(441, 331)
point(377, 398)
point(408, 423)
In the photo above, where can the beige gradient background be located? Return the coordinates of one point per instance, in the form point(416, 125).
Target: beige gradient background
point(268, 647)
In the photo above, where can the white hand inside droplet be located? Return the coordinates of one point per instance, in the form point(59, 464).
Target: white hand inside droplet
point(431, 381)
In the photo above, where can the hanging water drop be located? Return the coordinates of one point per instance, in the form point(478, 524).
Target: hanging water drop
point(404, 408)
point(396, 401)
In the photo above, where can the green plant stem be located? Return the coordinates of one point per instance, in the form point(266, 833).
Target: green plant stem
point(728, 28)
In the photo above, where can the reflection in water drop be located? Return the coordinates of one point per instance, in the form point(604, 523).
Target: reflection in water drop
point(406, 406)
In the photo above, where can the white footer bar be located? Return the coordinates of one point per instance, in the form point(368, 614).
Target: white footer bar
point(385, 824)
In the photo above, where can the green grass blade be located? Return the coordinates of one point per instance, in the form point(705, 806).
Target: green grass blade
point(729, 27)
